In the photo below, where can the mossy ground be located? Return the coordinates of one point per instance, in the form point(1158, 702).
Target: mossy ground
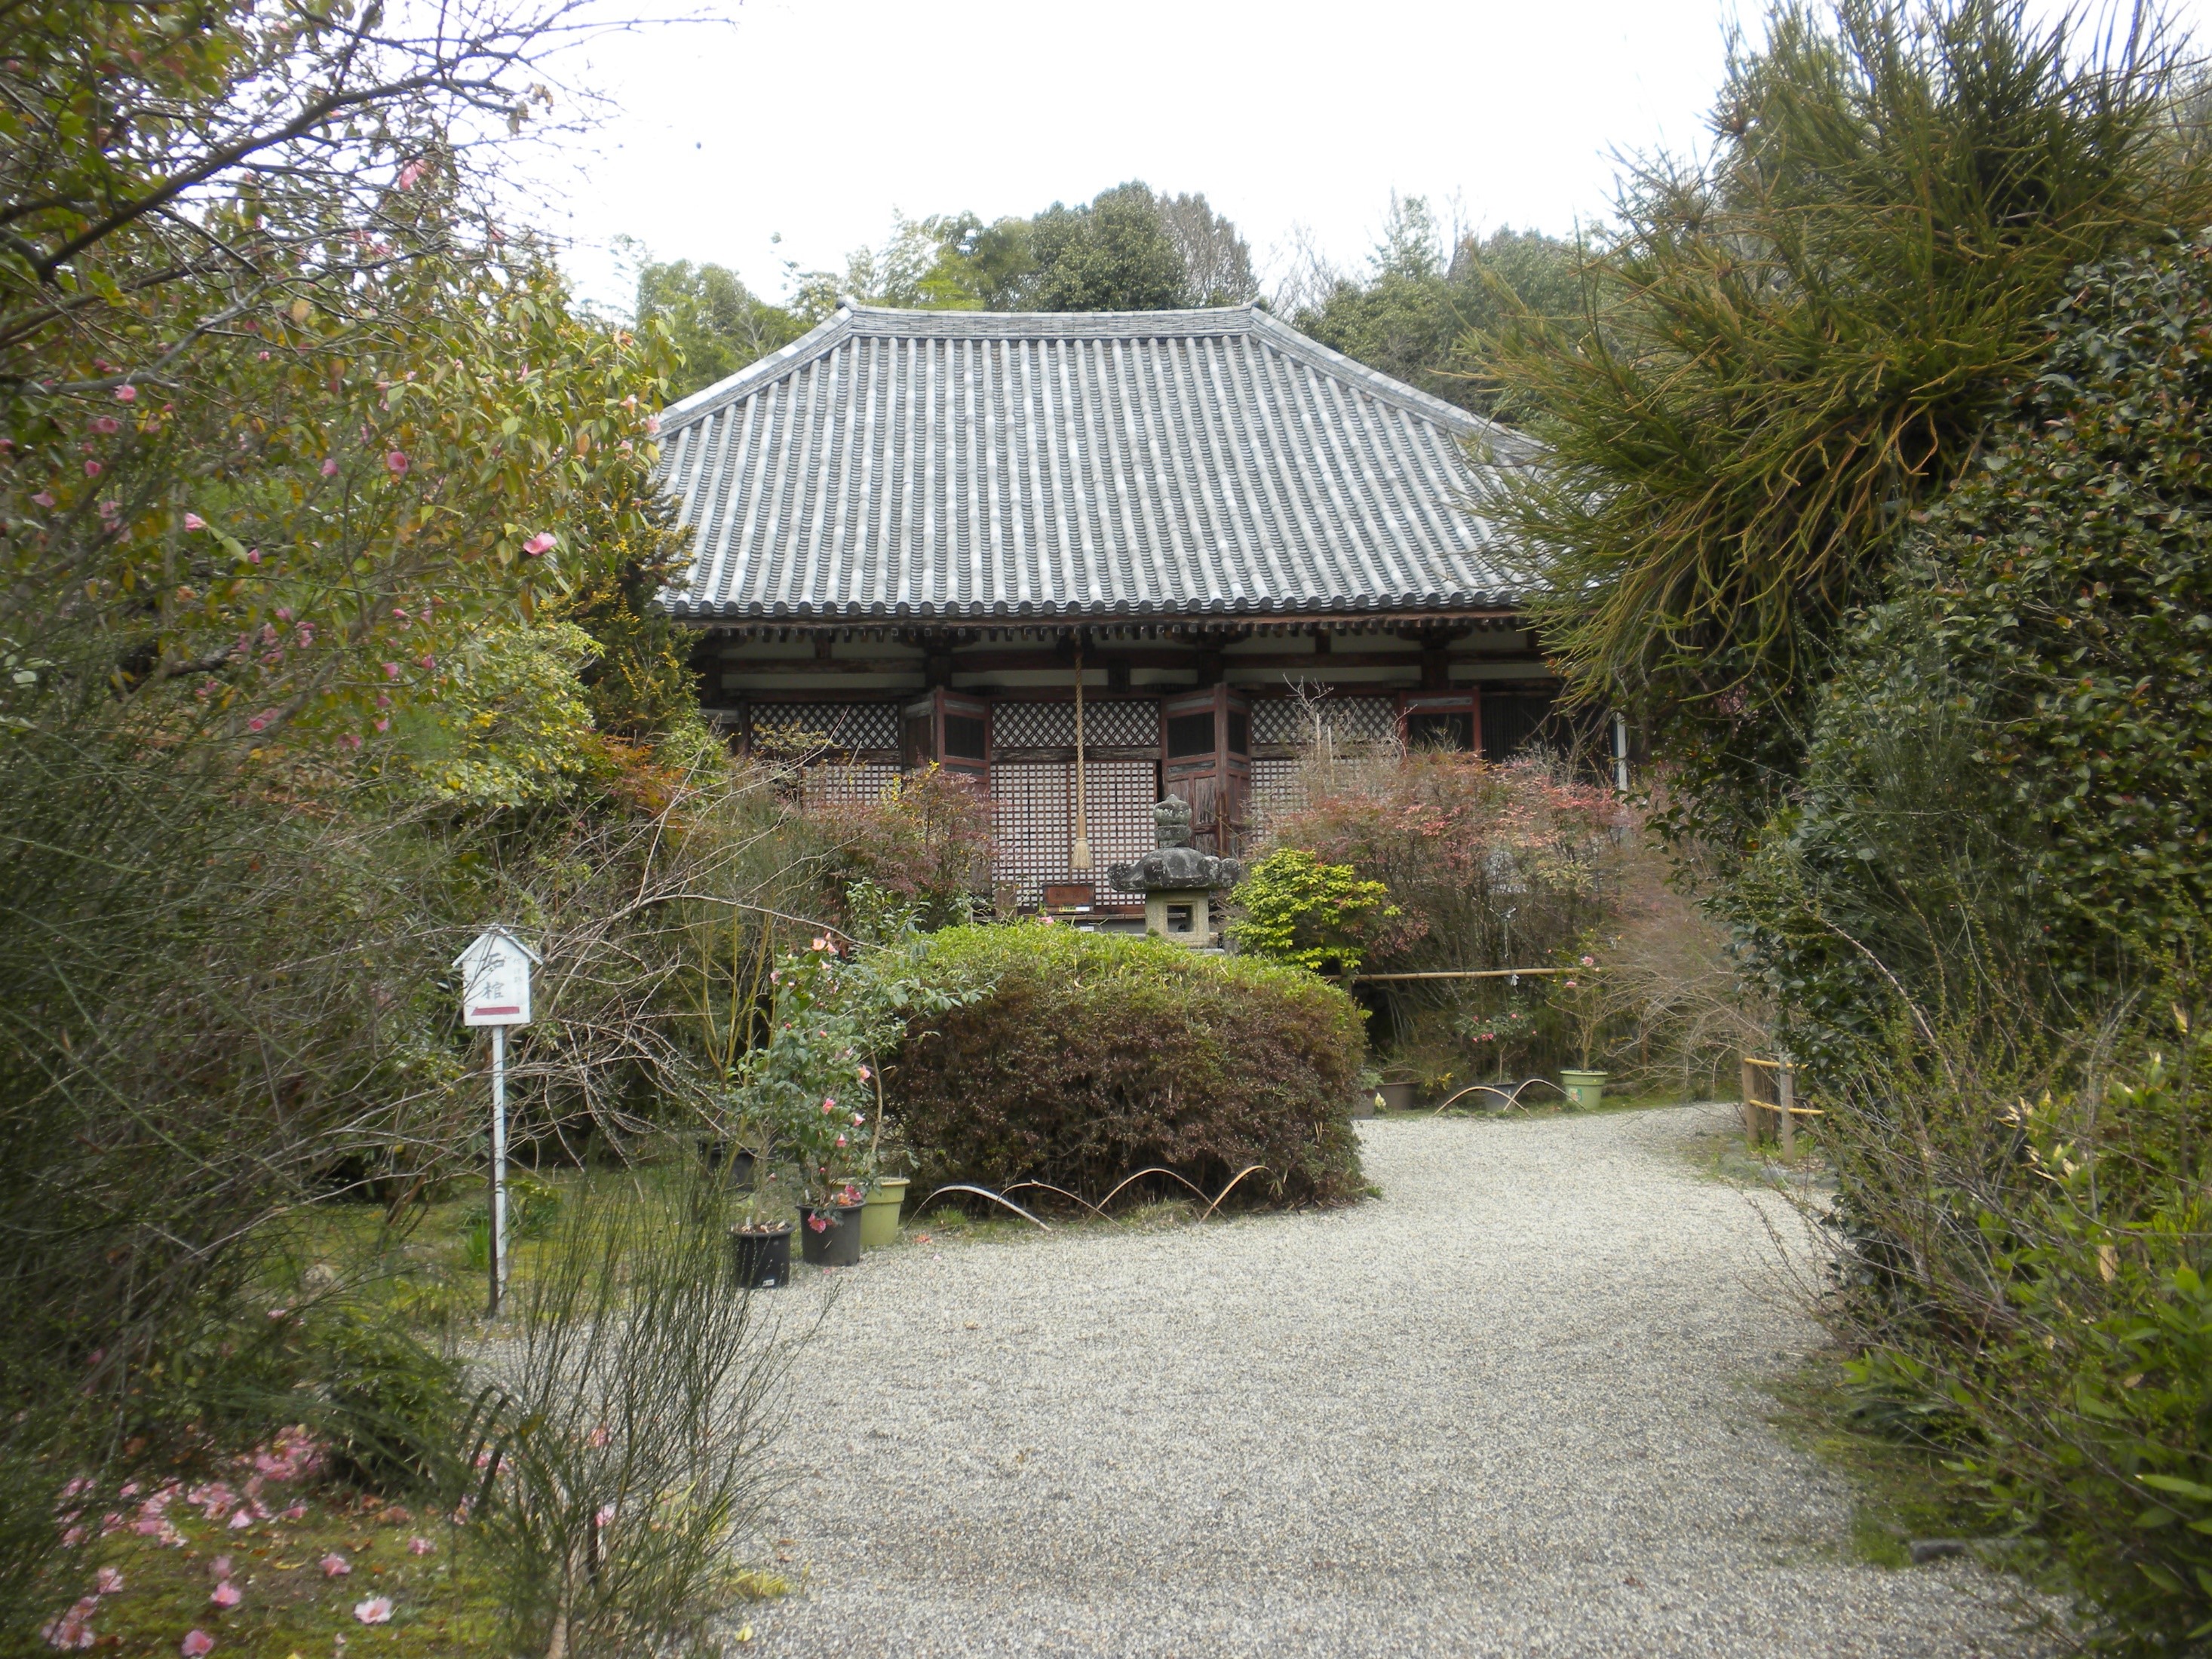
point(442, 1601)
point(1902, 1490)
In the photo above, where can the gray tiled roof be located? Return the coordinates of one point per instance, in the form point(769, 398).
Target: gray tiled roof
point(980, 465)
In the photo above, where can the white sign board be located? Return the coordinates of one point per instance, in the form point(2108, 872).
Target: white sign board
point(495, 979)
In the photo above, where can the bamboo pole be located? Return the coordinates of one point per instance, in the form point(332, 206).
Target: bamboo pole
point(1469, 973)
point(1079, 856)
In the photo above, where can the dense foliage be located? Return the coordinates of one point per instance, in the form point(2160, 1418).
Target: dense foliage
point(327, 523)
point(1095, 1055)
point(1979, 916)
point(925, 840)
point(2010, 764)
point(1486, 867)
point(1804, 331)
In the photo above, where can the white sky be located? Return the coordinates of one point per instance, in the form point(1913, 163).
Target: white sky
point(815, 118)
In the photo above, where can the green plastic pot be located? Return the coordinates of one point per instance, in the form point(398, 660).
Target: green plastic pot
point(879, 1220)
point(1583, 1088)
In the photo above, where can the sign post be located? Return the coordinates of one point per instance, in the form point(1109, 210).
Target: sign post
point(495, 991)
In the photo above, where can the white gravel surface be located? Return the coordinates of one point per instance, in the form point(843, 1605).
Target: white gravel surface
point(1508, 1407)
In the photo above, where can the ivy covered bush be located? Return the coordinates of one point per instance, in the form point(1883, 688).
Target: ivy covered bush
point(1097, 1054)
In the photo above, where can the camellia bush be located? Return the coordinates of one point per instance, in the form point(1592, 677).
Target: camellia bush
point(1095, 1055)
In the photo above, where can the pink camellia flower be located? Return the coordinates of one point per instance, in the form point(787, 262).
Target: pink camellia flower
point(600, 1436)
point(193, 521)
point(253, 556)
point(420, 1547)
point(865, 1074)
point(226, 1594)
point(606, 1517)
point(330, 467)
point(818, 1223)
point(392, 670)
point(383, 725)
point(110, 1580)
point(244, 1518)
point(1589, 962)
point(828, 1107)
point(429, 662)
point(841, 1140)
point(541, 542)
point(71, 1631)
point(335, 1566)
point(106, 425)
point(858, 1120)
point(220, 1566)
point(91, 469)
point(411, 174)
point(397, 464)
point(259, 722)
point(196, 1644)
point(652, 426)
point(376, 1610)
point(44, 498)
point(127, 394)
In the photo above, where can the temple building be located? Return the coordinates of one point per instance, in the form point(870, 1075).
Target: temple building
point(1111, 556)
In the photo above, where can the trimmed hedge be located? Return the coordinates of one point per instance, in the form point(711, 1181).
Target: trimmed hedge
point(1097, 1054)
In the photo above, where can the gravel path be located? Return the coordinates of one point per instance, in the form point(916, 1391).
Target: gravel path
point(1501, 1410)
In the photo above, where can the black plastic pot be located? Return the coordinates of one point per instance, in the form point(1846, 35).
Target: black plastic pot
point(836, 1243)
point(761, 1255)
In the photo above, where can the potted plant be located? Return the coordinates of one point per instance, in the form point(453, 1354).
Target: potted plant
point(879, 1220)
point(1581, 998)
point(1398, 1091)
point(806, 1080)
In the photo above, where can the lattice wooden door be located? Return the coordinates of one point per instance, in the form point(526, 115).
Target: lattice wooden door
point(1033, 822)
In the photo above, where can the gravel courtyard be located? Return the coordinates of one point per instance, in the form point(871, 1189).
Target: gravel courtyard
point(1506, 1408)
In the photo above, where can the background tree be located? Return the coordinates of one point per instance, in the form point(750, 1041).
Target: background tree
point(715, 325)
point(1420, 314)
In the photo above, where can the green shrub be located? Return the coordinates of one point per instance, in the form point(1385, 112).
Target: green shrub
point(391, 1406)
point(1306, 914)
point(2031, 1300)
point(1098, 1055)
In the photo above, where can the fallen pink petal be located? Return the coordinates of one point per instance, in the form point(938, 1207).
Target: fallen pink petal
point(376, 1610)
point(195, 1644)
point(226, 1594)
point(335, 1566)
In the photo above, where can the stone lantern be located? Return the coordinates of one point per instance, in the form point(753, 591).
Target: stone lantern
point(1177, 880)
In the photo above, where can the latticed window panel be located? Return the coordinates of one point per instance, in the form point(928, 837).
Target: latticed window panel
point(1121, 725)
point(829, 781)
point(1052, 725)
point(795, 728)
point(1349, 719)
point(1033, 822)
point(1276, 791)
point(1033, 724)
